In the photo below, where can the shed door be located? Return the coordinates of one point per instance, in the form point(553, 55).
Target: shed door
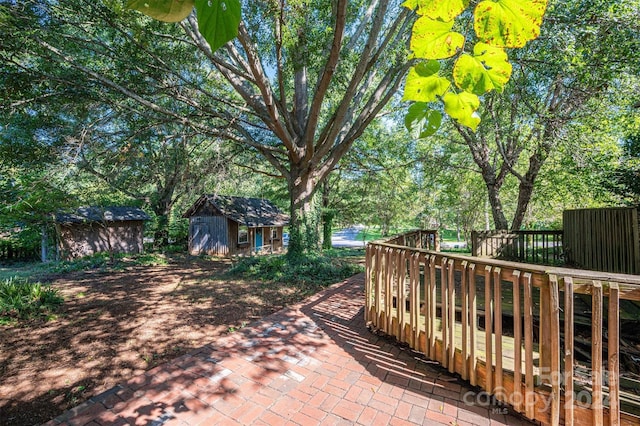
point(258, 239)
point(209, 235)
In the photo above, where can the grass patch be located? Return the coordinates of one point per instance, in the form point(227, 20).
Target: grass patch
point(374, 234)
point(308, 273)
point(23, 270)
point(460, 250)
point(21, 299)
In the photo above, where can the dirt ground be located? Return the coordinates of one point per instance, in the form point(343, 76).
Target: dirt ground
point(114, 325)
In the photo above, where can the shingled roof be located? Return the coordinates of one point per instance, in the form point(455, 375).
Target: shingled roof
point(246, 211)
point(99, 214)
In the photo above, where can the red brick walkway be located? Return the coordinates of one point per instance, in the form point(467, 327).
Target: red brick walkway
point(313, 363)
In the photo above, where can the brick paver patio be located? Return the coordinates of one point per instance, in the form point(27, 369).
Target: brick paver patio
point(313, 363)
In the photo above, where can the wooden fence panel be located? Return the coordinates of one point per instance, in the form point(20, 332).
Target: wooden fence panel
point(603, 239)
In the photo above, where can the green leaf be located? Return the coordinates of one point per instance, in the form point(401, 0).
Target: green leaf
point(444, 10)
point(433, 39)
point(462, 108)
point(423, 84)
point(427, 68)
point(486, 70)
point(430, 124)
point(509, 23)
point(422, 119)
point(218, 20)
point(163, 10)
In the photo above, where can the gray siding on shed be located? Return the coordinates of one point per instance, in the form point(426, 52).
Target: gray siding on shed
point(209, 235)
point(76, 240)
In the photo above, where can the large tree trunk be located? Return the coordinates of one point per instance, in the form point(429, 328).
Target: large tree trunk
point(525, 190)
point(327, 217)
point(493, 191)
point(304, 234)
point(499, 219)
point(162, 209)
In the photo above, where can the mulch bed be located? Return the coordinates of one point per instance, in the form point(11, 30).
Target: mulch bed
point(117, 324)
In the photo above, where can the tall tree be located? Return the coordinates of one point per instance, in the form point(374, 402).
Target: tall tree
point(154, 163)
point(301, 81)
point(581, 56)
point(314, 74)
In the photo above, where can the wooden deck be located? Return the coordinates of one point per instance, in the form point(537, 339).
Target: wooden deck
point(524, 353)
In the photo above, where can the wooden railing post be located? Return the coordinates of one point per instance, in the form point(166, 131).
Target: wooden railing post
point(473, 325)
point(451, 295)
point(497, 313)
point(554, 324)
point(517, 342)
point(545, 333)
point(488, 330)
point(444, 318)
point(614, 354)
point(464, 317)
point(401, 276)
point(367, 283)
point(528, 346)
point(379, 271)
point(596, 353)
point(431, 327)
point(568, 351)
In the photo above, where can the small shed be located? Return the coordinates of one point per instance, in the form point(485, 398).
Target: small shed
point(90, 230)
point(225, 225)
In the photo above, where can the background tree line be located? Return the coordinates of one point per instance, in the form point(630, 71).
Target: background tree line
point(102, 106)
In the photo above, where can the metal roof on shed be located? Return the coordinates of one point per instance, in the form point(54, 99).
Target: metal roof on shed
point(246, 211)
point(100, 214)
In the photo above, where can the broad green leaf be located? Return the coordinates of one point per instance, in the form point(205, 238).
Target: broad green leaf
point(486, 70)
point(433, 39)
point(218, 20)
point(509, 23)
point(427, 68)
point(422, 120)
point(423, 84)
point(163, 10)
point(430, 124)
point(462, 108)
point(444, 10)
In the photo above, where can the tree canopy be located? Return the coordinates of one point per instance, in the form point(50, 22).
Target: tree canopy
point(103, 104)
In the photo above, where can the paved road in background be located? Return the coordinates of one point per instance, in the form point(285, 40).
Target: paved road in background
point(347, 238)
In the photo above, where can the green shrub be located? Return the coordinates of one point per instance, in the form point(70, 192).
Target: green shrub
point(102, 261)
point(23, 299)
point(308, 272)
point(96, 261)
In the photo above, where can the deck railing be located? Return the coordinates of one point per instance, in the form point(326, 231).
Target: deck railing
point(455, 308)
point(540, 247)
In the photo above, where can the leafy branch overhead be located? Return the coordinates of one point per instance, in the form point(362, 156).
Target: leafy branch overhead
point(475, 66)
point(218, 20)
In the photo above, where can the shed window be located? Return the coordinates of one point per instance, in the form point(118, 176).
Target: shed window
point(274, 233)
point(243, 235)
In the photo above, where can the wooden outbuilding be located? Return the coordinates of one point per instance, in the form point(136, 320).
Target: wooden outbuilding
point(225, 225)
point(90, 230)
